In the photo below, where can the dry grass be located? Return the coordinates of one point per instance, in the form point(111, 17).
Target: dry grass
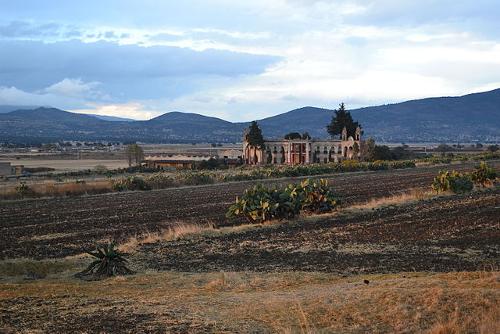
point(406, 197)
point(58, 189)
point(31, 269)
point(73, 188)
point(173, 232)
point(183, 230)
point(290, 302)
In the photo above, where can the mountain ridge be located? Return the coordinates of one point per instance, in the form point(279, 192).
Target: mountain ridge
point(471, 117)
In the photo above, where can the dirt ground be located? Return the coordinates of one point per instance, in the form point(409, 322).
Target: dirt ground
point(448, 233)
point(59, 227)
point(247, 302)
point(397, 265)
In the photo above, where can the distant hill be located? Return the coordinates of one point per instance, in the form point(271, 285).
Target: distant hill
point(9, 108)
point(50, 124)
point(473, 117)
point(470, 117)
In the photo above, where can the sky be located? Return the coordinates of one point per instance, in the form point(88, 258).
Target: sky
point(243, 60)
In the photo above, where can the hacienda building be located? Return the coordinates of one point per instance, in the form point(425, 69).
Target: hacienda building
point(303, 150)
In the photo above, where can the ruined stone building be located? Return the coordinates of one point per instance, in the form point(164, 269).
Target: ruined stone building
point(303, 150)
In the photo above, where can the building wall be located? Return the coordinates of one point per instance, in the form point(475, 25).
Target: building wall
point(302, 151)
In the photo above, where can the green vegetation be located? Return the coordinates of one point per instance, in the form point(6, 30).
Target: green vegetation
point(109, 262)
point(195, 178)
point(260, 203)
point(254, 135)
point(463, 182)
point(371, 152)
point(341, 119)
point(130, 183)
point(493, 148)
point(483, 175)
point(452, 181)
point(159, 181)
point(23, 190)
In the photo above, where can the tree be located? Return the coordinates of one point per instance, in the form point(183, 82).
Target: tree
point(367, 148)
point(382, 153)
point(444, 148)
point(493, 148)
point(293, 135)
point(355, 148)
point(341, 119)
point(134, 153)
point(254, 136)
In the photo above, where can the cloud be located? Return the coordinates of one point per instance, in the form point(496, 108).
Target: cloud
point(133, 110)
point(245, 59)
point(124, 71)
point(73, 88)
point(15, 96)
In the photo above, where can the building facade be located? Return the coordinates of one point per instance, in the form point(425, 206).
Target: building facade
point(303, 151)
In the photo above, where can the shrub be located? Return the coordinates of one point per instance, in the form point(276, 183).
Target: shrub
point(351, 165)
point(483, 175)
point(159, 181)
point(100, 169)
point(195, 178)
point(260, 203)
point(109, 262)
point(378, 165)
point(452, 181)
point(24, 190)
point(402, 164)
point(317, 196)
point(130, 183)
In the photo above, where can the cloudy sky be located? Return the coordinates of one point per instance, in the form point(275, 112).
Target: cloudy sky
point(242, 60)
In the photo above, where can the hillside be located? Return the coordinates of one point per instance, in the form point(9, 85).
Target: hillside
point(469, 117)
point(473, 117)
point(50, 124)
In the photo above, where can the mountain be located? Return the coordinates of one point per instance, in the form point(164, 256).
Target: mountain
point(50, 124)
point(465, 118)
point(9, 108)
point(473, 117)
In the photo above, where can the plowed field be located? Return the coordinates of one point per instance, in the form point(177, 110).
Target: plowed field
point(57, 227)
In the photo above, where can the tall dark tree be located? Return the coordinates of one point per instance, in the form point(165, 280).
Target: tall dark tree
point(254, 135)
point(293, 135)
point(341, 119)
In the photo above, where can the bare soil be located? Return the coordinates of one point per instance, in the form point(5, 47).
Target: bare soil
point(448, 233)
point(58, 227)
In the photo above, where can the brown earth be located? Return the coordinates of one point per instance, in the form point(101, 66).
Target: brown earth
point(442, 234)
point(246, 302)
point(58, 227)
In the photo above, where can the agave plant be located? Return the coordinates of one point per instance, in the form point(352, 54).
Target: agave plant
point(109, 262)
